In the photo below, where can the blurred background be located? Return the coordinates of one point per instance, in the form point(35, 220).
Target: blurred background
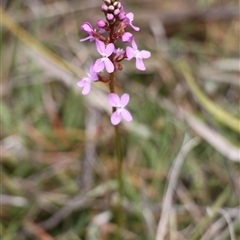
point(181, 152)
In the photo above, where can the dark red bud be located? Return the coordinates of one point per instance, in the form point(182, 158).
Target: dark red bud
point(118, 66)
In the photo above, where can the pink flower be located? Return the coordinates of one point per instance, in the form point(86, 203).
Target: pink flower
point(105, 51)
point(127, 37)
point(85, 82)
point(87, 27)
point(129, 18)
point(139, 55)
point(119, 104)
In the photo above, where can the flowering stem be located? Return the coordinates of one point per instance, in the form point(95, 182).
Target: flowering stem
point(119, 163)
point(115, 25)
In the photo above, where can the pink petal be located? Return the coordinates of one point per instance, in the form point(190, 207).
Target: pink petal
point(130, 16)
point(87, 27)
point(116, 118)
point(101, 31)
point(126, 37)
point(99, 65)
point(124, 99)
point(100, 47)
point(130, 52)
point(119, 51)
point(134, 27)
point(121, 16)
point(86, 88)
point(114, 100)
point(126, 115)
point(85, 39)
point(91, 67)
point(145, 54)
point(109, 65)
point(81, 83)
point(134, 45)
point(109, 49)
point(93, 74)
point(139, 64)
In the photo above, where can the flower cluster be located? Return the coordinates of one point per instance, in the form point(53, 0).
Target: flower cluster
point(106, 34)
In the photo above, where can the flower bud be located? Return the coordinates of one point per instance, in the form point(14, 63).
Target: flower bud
point(108, 2)
point(116, 12)
point(115, 4)
point(101, 23)
point(110, 16)
point(121, 16)
point(111, 8)
point(119, 5)
point(104, 8)
point(119, 66)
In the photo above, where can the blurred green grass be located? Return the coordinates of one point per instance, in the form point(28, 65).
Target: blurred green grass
point(44, 131)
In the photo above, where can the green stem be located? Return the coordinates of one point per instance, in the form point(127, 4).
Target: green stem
point(119, 163)
point(117, 147)
point(119, 174)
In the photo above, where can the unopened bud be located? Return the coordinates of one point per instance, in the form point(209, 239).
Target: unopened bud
point(116, 12)
point(111, 8)
point(115, 4)
point(119, 58)
point(108, 2)
point(121, 16)
point(119, 66)
point(110, 16)
point(119, 5)
point(104, 8)
point(101, 23)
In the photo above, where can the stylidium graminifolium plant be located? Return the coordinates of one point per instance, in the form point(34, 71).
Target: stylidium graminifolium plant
point(108, 32)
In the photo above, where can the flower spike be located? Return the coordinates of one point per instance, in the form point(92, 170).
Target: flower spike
point(114, 26)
